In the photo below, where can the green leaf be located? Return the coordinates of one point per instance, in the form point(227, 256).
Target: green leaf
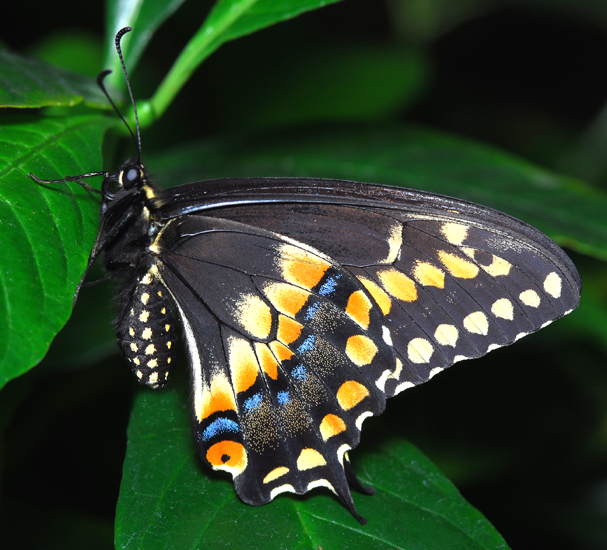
point(46, 232)
point(227, 20)
point(29, 83)
point(569, 211)
point(168, 499)
point(144, 16)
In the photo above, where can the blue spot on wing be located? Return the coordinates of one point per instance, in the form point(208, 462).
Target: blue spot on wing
point(299, 373)
point(307, 344)
point(311, 311)
point(283, 397)
point(329, 286)
point(252, 402)
point(221, 425)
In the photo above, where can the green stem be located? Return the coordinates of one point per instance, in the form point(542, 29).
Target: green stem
point(205, 42)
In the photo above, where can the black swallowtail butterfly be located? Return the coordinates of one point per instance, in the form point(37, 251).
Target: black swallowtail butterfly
point(306, 303)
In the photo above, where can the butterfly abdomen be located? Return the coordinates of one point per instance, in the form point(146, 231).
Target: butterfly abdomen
point(145, 331)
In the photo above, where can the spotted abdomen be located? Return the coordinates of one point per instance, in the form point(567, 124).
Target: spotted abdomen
point(145, 332)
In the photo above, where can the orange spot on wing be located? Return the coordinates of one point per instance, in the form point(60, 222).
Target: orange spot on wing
point(350, 394)
point(331, 425)
point(267, 361)
point(288, 330)
point(254, 315)
point(359, 307)
point(301, 267)
point(217, 397)
point(378, 294)
point(360, 349)
point(228, 455)
point(280, 351)
point(286, 298)
point(243, 364)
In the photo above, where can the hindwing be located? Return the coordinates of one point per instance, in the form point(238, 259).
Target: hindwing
point(286, 348)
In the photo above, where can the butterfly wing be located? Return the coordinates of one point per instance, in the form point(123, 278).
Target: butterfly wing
point(306, 303)
point(453, 279)
point(286, 347)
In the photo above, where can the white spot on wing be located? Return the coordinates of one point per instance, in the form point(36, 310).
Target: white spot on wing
point(477, 323)
point(320, 483)
point(282, 489)
point(402, 387)
point(419, 350)
point(446, 335)
point(361, 419)
point(385, 332)
point(530, 298)
point(503, 308)
point(381, 381)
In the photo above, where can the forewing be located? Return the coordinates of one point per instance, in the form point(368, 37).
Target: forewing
point(453, 280)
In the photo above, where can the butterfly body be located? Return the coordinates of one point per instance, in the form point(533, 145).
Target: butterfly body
point(306, 303)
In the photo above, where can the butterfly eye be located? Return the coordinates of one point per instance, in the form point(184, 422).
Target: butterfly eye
point(130, 178)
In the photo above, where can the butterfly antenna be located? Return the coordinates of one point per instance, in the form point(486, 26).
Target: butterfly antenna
point(101, 77)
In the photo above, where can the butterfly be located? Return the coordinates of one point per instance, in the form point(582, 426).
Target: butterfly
point(305, 303)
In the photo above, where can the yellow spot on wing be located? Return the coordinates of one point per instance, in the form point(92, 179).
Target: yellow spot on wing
point(310, 458)
point(267, 361)
point(228, 455)
point(254, 315)
point(427, 274)
point(144, 316)
point(288, 330)
point(395, 242)
point(360, 349)
point(455, 233)
point(147, 333)
point(358, 308)
point(458, 267)
point(553, 285)
point(287, 299)
point(301, 267)
point(378, 294)
point(331, 425)
point(243, 364)
point(350, 394)
point(398, 284)
point(497, 267)
point(217, 397)
point(276, 473)
point(145, 297)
